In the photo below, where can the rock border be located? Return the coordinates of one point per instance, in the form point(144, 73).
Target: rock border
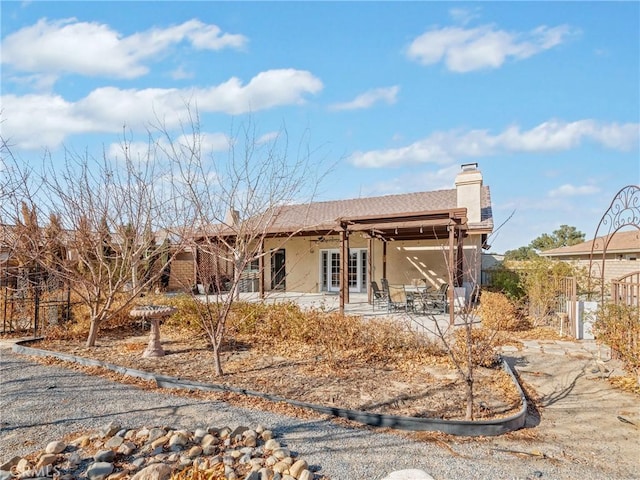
point(467, 428)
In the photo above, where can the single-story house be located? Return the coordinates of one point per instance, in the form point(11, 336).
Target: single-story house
point(620, 257)
point(341, 246)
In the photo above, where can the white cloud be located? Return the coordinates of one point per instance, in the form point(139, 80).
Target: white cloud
point(464, 15)
point(369, 98)
point(267, 138)
point(95, 49)
point(554, 135)
point(107, 109)
point(464, 50)
point(568, 190)
point(145, 151)
point(181, 73)
point(440, 179)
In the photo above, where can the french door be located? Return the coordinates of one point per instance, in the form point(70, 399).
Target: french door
point(330, 270)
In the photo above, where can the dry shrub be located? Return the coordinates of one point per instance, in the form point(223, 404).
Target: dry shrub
point(482, 342)
point(618, 326)
point(499, 313)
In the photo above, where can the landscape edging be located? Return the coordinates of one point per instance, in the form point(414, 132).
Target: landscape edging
point(469, 428)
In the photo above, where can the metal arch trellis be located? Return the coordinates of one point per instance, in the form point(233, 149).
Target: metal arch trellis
point(624, 211)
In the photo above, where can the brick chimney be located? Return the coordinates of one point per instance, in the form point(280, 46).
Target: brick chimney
point(469, 191)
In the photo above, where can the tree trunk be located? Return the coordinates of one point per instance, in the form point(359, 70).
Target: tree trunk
point(93, 333)
point(469, 395)
point(217, 364)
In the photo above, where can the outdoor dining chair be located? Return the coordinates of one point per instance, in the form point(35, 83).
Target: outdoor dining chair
point(398, 299)
point(380, 297)
point(436, 302)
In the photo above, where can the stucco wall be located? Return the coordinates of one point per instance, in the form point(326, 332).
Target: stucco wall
point(408, 262)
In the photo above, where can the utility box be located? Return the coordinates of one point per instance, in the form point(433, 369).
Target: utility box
point(585, 318)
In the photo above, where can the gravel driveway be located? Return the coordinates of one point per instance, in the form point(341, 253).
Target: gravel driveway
point(39, 404)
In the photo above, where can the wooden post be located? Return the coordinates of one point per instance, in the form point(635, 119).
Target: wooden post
point(261, 269)
point(384, 259)
point(369, 269)
point(451, 291)
point(344, 268)
point(460, 258)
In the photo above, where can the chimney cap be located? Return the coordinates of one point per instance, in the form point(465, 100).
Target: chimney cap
point(469, 166)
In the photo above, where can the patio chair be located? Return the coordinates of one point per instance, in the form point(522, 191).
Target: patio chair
point(380, 297)
point(436, 302)
point(398, 299)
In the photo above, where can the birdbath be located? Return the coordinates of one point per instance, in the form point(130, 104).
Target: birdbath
point(153, 313)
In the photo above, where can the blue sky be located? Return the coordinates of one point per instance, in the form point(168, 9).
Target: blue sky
point(545, 96)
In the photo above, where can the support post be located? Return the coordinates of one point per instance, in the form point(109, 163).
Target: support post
point(261, 269)
point(344, 268)
point(369, 269)
point(451, 266)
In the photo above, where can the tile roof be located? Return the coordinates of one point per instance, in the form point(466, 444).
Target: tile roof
point(323, 215)
point(618, 242)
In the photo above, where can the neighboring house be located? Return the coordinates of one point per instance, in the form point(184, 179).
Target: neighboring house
point(414, 238)
point(622, 255)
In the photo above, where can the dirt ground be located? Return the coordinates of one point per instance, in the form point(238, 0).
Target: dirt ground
point(430, 389)
point(577, 415)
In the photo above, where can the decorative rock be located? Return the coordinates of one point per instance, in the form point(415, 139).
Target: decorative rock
point(208, 439)
point(271, 445)
point(156, 471)
point(139, 462)
point(281, 453)
point(158, 442)
point(209, 450)
point(280, 467)
point(155, 433)
point(99, 470)
point(110, 430)
point(155, 453)
point(305, 475)
point(194, 452)
point(114, 441)
point(55, 447)
point(411, 474)
point(23, 465)
point(127, 448)
point(178, 439)
point(266, 435)
point(296, 469)
point(118, 475)
point(104, 456)
point(46, 459)
point(81, 441)
point(199, 434)
point(238, 431)
point(11, 463)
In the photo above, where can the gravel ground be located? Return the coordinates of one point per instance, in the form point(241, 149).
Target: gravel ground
point(40, 403)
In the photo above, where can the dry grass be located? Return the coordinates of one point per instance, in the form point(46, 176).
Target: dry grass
point(313, 356)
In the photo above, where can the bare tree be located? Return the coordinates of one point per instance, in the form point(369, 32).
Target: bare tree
point(104, 216)
point(466, 343)
point(231, 201)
